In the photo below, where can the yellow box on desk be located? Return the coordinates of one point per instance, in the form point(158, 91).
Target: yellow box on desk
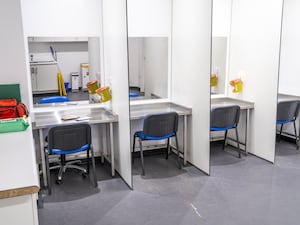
point(13, 125)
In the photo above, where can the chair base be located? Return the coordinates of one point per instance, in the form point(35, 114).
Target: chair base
point(63, 168)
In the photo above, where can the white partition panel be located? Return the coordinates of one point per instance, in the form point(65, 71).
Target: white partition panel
point(116, 73)
point(254, 57)
point(289, 78)
point(149, 18)
point(191, 41)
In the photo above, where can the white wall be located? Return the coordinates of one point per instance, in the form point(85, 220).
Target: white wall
point(136, 62)
point(156, 66)
point(289, 78)
point(191, 72)
point(148, 18)
point(116, 72)
point(12, 55)
point(221, 18)
point(56, 18)
point(219, 63)
point(254, 53)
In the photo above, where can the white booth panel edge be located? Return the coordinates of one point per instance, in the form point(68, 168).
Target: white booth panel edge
point(116, 71)
point(154, 18)
point(191, 51)
point(254, 57)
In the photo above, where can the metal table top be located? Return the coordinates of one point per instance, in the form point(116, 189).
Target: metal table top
point(286, 97)
point(89, 115)
point(225, 101)
point(139, 111)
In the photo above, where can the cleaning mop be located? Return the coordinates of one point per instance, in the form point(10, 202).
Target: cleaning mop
point(60, 79)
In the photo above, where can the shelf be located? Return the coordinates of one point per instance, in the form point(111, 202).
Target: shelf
point(57, 39)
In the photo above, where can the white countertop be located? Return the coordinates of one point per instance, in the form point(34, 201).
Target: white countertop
point(286, 97)
point(225, 101)
point(18, 162)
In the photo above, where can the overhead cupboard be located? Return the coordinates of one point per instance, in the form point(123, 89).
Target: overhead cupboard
point(44, 77)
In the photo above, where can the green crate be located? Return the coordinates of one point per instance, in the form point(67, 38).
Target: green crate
point(13, 125)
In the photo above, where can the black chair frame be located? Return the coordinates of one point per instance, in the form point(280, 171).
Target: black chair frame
point(69, 139)
point(287, 112)
point(158, 127)
point(225, 118)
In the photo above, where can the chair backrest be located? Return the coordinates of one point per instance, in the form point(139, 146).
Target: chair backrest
point(287, 110)
point(69, 137)
point(225, 116)
point(160, 125)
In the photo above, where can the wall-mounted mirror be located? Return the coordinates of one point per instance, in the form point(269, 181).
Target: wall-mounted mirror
point(148, 67)
point(221, 19)
point(149, 47)
point(77, 58)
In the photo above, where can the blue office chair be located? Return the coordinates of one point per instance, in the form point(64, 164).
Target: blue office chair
point(54, 99)
point(287, 112)
point(225, 118)
point(158, 127)
point(69, 139)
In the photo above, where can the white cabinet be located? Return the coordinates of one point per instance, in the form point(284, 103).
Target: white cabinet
point(44, 78)
point(19, 210)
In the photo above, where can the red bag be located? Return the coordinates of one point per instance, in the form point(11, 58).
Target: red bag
point(10, 108)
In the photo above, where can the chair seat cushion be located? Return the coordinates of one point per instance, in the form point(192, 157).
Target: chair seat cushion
point(222, 128)
point(62, 152)
point(280, 122)
point(140, 134)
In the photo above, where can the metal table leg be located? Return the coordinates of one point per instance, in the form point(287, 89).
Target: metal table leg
point(44, 172)
point(247, 131)
point(184, 139)
point(112, 154)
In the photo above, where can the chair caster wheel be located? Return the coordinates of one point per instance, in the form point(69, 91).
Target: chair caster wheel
point(58, 181)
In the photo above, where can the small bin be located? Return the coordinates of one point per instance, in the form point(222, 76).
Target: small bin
point(67, 86)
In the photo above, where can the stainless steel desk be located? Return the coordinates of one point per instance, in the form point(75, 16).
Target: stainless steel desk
point(42, 120)
point(244, 105)
point(139, 111)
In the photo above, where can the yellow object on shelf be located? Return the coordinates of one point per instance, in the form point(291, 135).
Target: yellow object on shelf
point(213, 80)
point(92, 86)
point(237, 85)
point(61, 84)
point(104, 94)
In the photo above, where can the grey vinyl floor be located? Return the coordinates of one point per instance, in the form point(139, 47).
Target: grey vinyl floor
point(246, 191)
